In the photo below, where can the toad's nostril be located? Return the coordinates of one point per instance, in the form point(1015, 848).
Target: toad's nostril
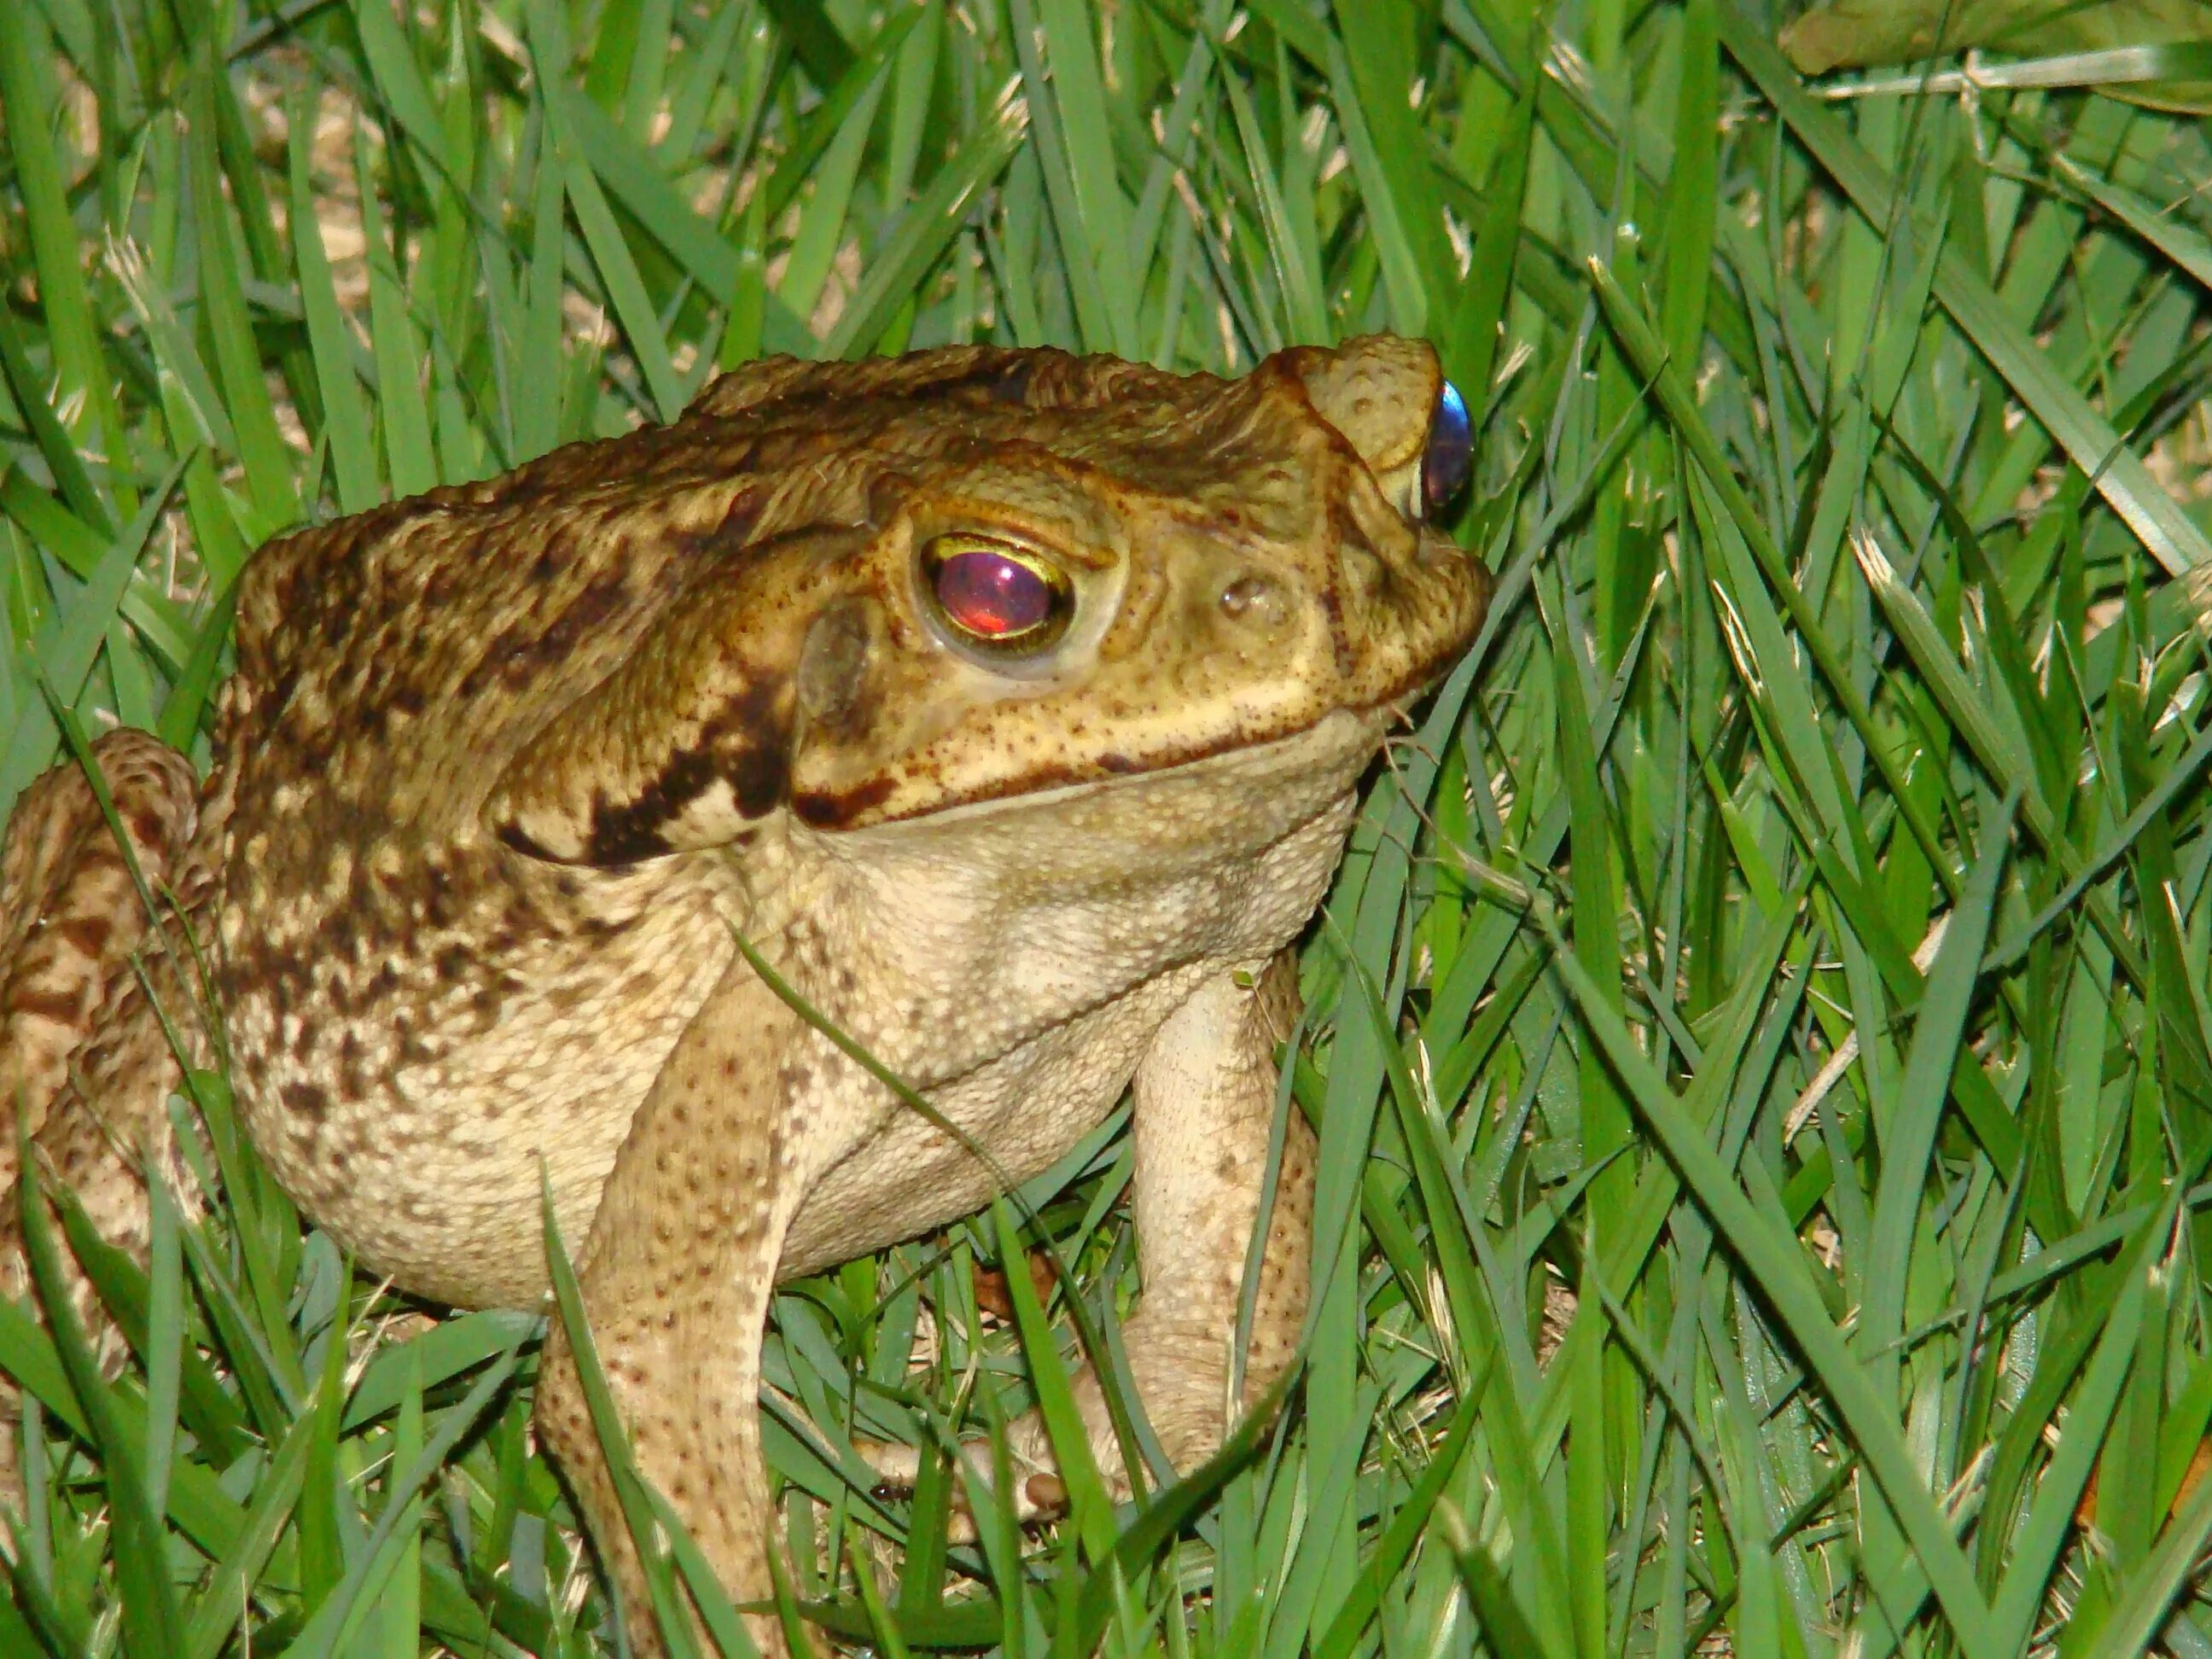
point(1364, 568)
point(1249, 594)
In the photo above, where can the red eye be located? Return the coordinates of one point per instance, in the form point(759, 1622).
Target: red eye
point(995, 594)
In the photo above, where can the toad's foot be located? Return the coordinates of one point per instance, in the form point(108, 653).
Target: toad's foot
point(1040, 1497)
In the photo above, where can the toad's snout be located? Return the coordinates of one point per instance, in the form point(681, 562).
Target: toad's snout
point(1401, 620)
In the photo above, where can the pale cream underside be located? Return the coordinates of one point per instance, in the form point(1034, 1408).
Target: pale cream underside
point(1017, 959)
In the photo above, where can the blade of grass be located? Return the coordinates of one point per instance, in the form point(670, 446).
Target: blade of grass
point(2120, 475)
point(1775, 1262)
point(149, 1614)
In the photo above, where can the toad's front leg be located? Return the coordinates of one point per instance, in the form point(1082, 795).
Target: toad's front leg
point(677, 1281)
point(1204, 1111)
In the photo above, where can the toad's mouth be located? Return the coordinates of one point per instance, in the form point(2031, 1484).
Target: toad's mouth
point(1201, 808)
point(1320, 760)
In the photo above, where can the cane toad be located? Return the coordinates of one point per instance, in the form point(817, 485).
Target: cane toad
point(1013, 704)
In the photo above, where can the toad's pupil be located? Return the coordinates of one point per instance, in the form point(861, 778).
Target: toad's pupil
point(992, 596)
point(1450, 454)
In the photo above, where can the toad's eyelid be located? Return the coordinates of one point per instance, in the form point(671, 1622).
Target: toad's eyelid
point(1069, 540)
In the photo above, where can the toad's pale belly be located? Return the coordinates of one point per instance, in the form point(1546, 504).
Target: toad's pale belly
point(1025, 1110)
point(464, 1227)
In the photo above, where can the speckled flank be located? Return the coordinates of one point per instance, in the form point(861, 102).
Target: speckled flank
point(86, 1069)
point(503, 766)
point(70, 914)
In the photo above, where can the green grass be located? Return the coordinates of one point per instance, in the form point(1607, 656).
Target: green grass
point(1760, 1036)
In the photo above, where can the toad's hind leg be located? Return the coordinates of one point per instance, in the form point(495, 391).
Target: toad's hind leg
point(677, 1281)
point(69, 912)
point(85, 1065)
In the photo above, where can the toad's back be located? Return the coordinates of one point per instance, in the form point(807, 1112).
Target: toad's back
point(395, 658)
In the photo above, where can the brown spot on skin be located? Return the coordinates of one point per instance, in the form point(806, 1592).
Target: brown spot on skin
point(747, 746)
point(87, 934)
point(437, 898)
point(824, 811)
point(625, 833)
point(758, 777)
point(588, 613)
point(567, 999)
point(351, 1067)
point(310, 1102)
point(149, 829)
point(53, 1006)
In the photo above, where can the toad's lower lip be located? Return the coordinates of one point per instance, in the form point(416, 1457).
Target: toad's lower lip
point(1372, 719)
point(1399, 708)
point(1398, 704)
point(856, 809)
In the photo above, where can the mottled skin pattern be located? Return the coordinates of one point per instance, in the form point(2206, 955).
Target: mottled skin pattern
point(504, 766)
point(69, 907)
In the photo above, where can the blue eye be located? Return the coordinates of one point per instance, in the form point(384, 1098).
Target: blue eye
point(1450, 454)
